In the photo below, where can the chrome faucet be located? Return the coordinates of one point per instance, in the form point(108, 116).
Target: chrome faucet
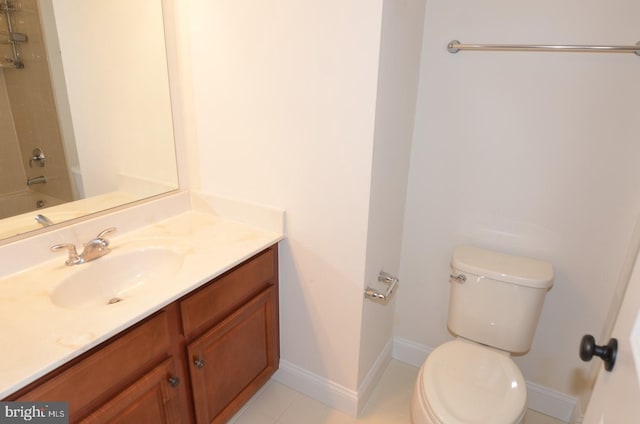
point(43, 220)
point(37, 180)
point(93, 249)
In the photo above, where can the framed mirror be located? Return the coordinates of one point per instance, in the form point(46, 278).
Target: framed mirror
point(85, 111)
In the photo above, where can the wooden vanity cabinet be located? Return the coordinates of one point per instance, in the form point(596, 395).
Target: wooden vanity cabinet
point(97, 376)
point(231, 361)
point(197, 360)
point(232, 334)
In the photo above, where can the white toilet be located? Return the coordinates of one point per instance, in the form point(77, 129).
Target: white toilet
point(494, 305)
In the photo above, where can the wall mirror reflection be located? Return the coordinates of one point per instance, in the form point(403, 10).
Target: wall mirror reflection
point(85, 113)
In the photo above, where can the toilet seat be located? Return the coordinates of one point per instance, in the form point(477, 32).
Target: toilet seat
point(466, 383)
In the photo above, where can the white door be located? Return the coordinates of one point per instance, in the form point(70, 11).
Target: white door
point(616, 395)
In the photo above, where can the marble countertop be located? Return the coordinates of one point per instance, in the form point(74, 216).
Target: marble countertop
point(38, 336)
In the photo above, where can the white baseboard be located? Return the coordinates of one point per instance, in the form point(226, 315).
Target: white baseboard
point(319, 388)
point(539, 398)
point(578, 413)
point(410, 352)
point(550, 402)
point(330, 393)
point(374, 375)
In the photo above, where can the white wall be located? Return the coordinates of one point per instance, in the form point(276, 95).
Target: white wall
point(401, 40)
point(285, 97)
point(528, 153)
point(114, 76)
point(60, 96)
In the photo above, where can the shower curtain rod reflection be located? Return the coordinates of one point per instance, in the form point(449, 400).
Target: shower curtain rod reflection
point(455, 46)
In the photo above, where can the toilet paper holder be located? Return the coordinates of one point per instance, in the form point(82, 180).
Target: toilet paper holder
point(382, 297)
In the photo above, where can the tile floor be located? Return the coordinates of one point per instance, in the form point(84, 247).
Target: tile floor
point(389, 404)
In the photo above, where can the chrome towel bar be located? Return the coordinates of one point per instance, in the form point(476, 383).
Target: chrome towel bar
point(455, 46)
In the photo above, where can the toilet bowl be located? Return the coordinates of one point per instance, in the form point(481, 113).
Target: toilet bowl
point(465, 383)
point(495, 302)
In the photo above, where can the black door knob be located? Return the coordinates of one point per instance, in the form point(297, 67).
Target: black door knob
point(608, 352)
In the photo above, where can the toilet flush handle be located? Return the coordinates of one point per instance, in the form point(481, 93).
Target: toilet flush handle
point(460, 278)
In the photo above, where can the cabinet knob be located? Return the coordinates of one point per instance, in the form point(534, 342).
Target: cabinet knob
point(199, 363)
point(173, 381)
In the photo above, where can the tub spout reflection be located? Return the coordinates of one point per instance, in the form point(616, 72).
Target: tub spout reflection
point(36, 180)
point(43, 220)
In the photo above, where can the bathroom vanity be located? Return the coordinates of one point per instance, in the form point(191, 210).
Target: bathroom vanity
point(209, 351)
point(190, 350)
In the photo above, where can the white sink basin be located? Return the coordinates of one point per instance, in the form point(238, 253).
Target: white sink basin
point(116, 277)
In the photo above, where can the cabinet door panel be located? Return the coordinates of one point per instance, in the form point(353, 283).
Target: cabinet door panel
point(152, 399)
point(230, 362)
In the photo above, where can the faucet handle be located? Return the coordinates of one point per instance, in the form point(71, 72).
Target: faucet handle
point(68, 246)
point(71, 248)
point(107, 231)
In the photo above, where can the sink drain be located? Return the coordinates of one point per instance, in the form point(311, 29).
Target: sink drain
point(114, 300)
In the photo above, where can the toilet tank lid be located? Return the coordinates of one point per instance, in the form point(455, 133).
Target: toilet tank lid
point(502, 267)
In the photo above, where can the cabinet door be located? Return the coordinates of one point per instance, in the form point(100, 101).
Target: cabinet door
point(152, 399)
point(103, 372)
point(231, 361)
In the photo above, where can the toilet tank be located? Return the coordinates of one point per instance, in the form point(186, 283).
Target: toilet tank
point(499, 302)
